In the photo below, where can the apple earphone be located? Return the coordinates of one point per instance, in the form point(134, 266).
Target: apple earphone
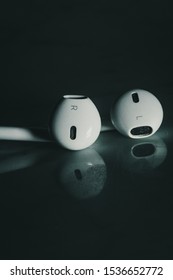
point(75, 122)
point(137, 114)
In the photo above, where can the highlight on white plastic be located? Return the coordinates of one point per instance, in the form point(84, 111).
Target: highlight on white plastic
point(75, 122)
point(137, 114)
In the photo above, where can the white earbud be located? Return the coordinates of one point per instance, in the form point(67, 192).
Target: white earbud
point(137, 113)
point(75, 122)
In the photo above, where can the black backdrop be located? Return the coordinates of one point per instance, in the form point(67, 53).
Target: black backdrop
point(98, 48)
point(101, 49)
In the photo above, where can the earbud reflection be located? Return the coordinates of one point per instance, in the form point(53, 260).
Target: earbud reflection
point(133, 155)
point(83, 174)
point(145, 156)
point(136, 155)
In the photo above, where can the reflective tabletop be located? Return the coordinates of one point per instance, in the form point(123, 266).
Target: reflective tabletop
point(110, 201)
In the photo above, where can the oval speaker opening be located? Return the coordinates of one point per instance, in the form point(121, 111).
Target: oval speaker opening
point(141, 130)
point(75, 97)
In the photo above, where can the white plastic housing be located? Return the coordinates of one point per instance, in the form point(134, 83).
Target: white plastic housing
point(75, 122)
point(137, 114)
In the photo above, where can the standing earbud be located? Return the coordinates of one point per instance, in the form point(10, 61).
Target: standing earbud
point(137, 113)
point(75, 122)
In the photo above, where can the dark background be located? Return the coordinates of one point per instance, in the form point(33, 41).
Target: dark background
point(100, 49)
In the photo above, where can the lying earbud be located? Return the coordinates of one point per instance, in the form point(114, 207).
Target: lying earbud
point(137, 113)
point(75, 122)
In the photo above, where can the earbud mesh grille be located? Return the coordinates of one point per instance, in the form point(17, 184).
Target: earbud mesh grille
point(141, 130)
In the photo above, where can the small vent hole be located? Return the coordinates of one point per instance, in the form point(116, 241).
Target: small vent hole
point(135, 97)
point(73, 132)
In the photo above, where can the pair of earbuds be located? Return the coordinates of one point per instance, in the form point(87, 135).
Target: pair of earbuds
point(76, 124)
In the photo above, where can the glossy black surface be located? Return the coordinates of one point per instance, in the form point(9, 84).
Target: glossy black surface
point(115, 199)
point(110, 201)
